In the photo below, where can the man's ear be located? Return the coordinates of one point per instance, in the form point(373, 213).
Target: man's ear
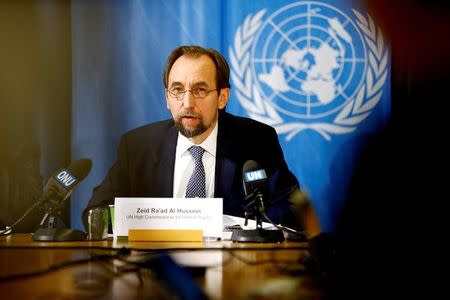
point(224, 95)
point(167, 101)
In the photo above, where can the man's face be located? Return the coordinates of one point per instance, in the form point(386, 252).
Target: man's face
point(195, 118)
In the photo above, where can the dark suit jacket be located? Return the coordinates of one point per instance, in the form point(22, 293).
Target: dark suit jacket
point(146, 158)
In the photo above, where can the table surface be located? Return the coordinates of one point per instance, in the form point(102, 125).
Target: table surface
point(100, 269)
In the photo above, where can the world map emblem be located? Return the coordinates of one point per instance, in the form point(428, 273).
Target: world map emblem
point(309, 66)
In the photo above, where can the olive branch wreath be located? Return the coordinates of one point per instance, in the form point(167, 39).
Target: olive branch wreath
point(353, 113)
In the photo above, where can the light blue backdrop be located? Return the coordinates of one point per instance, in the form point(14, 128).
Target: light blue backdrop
point(318, 71)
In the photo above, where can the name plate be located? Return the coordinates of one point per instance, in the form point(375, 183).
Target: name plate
point(169, 214)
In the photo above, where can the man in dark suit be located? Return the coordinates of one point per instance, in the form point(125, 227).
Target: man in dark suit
point(155, 160)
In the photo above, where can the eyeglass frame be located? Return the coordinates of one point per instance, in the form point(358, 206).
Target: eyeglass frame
point(191, 91)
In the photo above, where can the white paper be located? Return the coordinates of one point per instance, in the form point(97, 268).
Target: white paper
point(232, 221)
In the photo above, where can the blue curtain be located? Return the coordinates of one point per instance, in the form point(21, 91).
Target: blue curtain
point(318, 71)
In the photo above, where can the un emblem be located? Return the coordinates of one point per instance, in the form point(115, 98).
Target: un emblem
point(309, 66)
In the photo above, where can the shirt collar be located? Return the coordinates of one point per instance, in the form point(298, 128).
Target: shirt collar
point(209, 144)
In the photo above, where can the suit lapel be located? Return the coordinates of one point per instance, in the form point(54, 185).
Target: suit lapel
point(225, 164)
point(166, 164)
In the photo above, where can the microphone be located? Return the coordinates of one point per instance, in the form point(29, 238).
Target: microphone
point(255, 183)
point(256, 189)
point(58, 188)
point(61, 185)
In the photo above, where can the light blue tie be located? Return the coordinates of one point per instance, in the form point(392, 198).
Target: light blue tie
point(196, 186)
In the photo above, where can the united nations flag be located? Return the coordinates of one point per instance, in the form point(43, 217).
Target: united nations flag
point(316, 71)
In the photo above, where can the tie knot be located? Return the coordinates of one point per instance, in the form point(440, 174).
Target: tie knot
point(197, 152)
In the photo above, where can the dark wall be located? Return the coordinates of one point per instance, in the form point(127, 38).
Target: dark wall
point(35, 99)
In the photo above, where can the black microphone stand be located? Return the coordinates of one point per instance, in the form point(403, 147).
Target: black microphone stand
point(50, 228)
point(258, 235)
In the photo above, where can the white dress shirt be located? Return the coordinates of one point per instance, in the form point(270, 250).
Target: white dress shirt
point(184, 163)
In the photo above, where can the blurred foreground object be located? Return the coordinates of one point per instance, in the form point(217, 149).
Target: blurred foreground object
point(417, 31)
point(305, 213)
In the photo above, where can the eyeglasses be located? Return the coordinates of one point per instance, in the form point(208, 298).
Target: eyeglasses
point(198, 93)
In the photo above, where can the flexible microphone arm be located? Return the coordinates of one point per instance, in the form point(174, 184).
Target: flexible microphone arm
point(255, 200)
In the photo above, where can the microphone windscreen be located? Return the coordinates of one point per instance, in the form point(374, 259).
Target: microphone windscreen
point(254, 177)
point(250, 165)
point(81, 168)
